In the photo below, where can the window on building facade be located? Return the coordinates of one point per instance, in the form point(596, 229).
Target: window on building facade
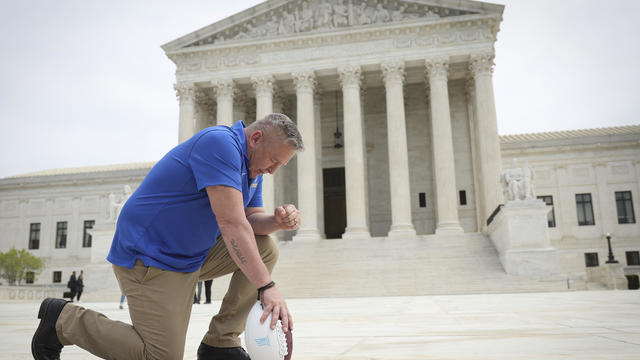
point(551, 216)
point(591, 259)
point(633, 258)
point(624, 204)
point(29, 277)
point(585, 209)
point(463, 197)
point(61, 235)
point(422, 199)
point(86, 237)
point(57, 276)
point(34, 236)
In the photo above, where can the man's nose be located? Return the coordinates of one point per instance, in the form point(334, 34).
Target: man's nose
point(273, 168)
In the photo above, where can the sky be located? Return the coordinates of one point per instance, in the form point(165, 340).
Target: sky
point(85, 82)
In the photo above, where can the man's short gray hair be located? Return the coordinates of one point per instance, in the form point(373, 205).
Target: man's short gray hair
point(280, 122)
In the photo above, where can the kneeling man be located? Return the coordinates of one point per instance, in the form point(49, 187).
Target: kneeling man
point(196, 216)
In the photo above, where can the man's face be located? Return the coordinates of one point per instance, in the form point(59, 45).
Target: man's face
point(267, 153)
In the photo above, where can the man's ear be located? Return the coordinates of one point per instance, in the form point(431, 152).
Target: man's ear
point(256, 136)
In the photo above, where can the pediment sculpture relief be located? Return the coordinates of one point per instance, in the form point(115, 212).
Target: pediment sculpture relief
point(322, 15)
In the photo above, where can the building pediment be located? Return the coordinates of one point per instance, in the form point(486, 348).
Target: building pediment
point(280, 18)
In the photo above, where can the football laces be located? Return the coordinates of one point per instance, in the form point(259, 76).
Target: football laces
point(282, 340)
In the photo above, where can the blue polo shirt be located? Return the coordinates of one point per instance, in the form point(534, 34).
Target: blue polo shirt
point(168, 222)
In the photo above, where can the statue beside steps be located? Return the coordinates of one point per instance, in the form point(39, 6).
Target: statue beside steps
point(519, 231)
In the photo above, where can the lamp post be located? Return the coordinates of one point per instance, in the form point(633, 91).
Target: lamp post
point(611, 259)
point(337, 136)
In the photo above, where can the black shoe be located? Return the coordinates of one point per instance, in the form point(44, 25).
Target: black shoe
point(206, 352)
point(208, 302)
point(45, 344)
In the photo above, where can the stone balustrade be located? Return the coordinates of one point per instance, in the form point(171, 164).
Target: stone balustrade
point(31, 292)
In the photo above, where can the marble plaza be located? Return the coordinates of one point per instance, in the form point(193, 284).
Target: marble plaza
point(601, 325)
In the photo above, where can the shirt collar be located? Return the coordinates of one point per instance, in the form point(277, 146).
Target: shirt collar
point(238, 130)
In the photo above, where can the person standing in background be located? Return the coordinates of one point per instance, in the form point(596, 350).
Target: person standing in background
point(197, 294)
point(71, 284)
point(79, 285)
point(207, 290)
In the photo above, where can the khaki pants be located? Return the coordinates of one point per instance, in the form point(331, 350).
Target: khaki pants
point(160, 306)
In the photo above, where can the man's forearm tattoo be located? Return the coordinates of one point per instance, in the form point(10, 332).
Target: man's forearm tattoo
point(235, 248)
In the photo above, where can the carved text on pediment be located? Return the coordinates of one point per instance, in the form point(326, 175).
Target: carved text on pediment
point(324, 15)
point(444, 38)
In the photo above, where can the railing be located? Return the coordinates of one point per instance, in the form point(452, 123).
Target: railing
point(494, 214)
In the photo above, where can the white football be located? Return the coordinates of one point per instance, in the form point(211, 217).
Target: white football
point(264, 343)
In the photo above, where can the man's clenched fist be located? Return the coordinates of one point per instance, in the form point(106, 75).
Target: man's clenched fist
point(288, 217)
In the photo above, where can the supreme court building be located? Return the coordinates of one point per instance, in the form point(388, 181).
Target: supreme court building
point(395, 103)
point(407, 83)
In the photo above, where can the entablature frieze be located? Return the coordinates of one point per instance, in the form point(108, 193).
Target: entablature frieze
point(326, 69)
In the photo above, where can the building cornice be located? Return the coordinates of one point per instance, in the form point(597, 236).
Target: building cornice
point(541, 149)
point(78, 176)
point(567, 134)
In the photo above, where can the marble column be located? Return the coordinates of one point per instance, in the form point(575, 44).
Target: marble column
point(400, 187)
point(473, 134)
point(363, 100)
point(305, 83)
point(443, 159)
point(317, 106)
point(278, 179)
point(186, 97)
point(204, 107)
point(354, 154)
point(488, 140)
point(240, 105)
point(225, 90)
point(263, 85)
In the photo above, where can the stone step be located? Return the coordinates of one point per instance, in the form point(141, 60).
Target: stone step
point(421, 265)
point(596, 286)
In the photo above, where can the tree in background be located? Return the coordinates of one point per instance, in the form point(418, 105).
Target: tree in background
point(15, 264)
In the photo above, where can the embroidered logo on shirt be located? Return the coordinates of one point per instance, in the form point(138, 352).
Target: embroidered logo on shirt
point(254, 185)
